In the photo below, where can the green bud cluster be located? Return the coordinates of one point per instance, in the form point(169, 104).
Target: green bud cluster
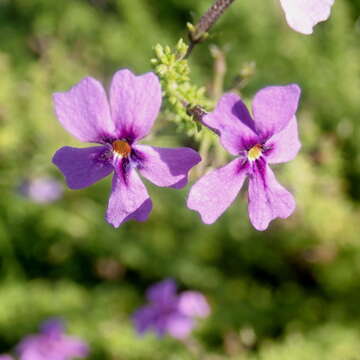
point(174, 73)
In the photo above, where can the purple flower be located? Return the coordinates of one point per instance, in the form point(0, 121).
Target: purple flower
point(42, 190)
point(6, 357)
point(303, 15)
point(168, 313)
point(51, 344)
point(134, 104)
point(270, 138)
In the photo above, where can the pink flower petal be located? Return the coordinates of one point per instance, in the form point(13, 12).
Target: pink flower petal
point(135, 103)
point(284, 145)
point(194, 304)
point(179, 326)
point(215, 191)
point(82, 167)
point(72, 347)
point(274, 107)
point(267, 198)
point(233, 122)
point(128, 199)
point(84, 111)
point(167, 167)
point(303, 15)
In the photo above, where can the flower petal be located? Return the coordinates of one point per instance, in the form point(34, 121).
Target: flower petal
point(53, 327)
point(303, 15)
point(267, 198)
point(216, 190)
point(233, 122)
point(167, 167)
point(145, 318)
point(284, 145)
point(128, 199)
point(142, 213)
point(71, 347)
point(84, 111)
point(179, 326)
point(135, 103)
point(193, 304)
point(163, 292)
point(83, 167)
point(274, 107)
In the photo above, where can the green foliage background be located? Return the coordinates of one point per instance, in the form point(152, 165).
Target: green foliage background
point(291, 292)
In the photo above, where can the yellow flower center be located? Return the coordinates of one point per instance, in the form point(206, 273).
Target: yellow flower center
point(121, 148)
point(255, 152)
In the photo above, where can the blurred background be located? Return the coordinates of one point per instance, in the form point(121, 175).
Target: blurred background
point(292, 292)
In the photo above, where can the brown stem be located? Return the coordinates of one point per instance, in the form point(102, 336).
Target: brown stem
point(198, 113)
point(205, 23)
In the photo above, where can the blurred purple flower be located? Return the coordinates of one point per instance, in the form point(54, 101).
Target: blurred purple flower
point(51, 344)
point(42, 190)
point(270, 138)
point(6, 357)
point(169, 313)
point(135, 101)
point(303, 15)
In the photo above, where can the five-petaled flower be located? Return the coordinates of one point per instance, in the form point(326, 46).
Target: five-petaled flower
point(41, 190)
point(303, 15)
point(270, 138)
point(51, 344)
point(134, 104)
point(169, 313)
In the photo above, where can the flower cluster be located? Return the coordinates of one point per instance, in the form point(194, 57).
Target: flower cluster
point(135, 101)
point(118, 124)
point(50, 344)
point(169, 313)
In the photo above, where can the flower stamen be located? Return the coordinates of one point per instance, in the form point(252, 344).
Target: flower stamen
point(255, 152)
point(121, 148)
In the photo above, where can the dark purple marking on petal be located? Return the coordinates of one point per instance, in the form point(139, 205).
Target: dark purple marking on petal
point(128, 199)
point(234, 123)
point(267, 198)
point(137, 157)
point(135, 103)
point(125, 168)
point(240, 111)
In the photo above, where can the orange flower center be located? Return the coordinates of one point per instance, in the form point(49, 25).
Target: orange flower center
point(121, 148)
point(255, 152)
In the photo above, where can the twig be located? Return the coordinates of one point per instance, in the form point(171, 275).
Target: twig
point(199, 32)
point(198, 113)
